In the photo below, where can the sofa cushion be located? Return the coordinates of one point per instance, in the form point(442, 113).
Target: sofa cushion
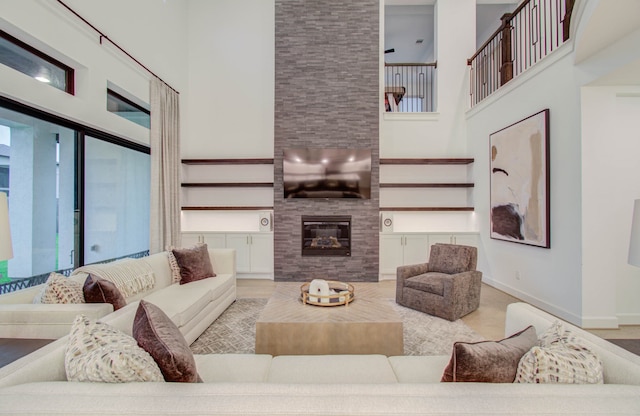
point(489, 361)
point(419, 368)
point(432, 282)
point(560, 357)
point(320, 369)
point(96, 352)
point(60, 289)
point(161, 338)
point(97, 290)
point(233, 368)
point(181, 303)
point(194, 263)
point(451, 259)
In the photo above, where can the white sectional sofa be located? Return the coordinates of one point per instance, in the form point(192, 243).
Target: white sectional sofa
point(241, 384)
point(193, 307)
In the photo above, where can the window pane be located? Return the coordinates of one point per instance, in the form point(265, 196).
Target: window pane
point(37, 167)
point(21, 57)
point(116, 201)
point(125, 108)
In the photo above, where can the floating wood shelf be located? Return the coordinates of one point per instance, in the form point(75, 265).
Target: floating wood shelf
point(254, 161)
point(426, 185)
point(243, 208)
point(227, 185)
point(426, 209)
point(429, 161)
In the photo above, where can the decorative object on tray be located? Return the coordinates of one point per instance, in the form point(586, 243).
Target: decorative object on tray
point(321, 292)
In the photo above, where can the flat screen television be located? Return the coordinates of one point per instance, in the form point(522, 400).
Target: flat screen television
point(327, 173)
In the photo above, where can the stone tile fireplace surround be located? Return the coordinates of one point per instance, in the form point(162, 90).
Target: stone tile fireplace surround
point(326, 96)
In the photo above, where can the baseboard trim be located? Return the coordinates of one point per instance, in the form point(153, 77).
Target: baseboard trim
point(538, 303)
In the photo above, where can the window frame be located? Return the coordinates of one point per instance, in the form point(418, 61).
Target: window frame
point(69, 71)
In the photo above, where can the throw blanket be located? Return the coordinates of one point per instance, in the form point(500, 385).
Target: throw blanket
point(129, 275)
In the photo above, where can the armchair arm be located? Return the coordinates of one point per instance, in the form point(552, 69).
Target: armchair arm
point(405, 272)
point(463, 290)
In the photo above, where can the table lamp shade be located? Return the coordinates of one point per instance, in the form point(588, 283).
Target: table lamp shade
point(634, 243)
point(6, 251)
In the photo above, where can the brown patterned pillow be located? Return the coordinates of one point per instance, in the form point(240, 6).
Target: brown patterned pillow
point(194, 263)
point(98, 290)
point(161, 338)
point(489, 361)
point(60, 289)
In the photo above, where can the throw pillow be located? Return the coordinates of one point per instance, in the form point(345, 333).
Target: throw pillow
point(450, 258)
point(561, 356)
point(173, 265)
point(489, 361)
point(194, 263)
point(97, 352)
point(161, 338)
point(60, 289)
point(97, 290)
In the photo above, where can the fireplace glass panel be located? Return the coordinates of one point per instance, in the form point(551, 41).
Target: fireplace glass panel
point(326, 235)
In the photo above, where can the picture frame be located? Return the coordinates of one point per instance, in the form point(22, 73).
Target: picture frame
point(520, 179)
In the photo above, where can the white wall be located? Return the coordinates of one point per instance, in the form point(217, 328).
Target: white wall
point(49, 27)
point(549, 278)
point(231, 79)
point(610, 172)
point(442, 134)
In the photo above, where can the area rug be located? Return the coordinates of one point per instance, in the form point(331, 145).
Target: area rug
point(235, 331)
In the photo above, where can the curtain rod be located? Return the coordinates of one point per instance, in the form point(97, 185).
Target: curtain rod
point(103, 36)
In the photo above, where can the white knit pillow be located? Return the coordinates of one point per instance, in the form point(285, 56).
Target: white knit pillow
point(97, 352)
point(560, 357)
point(60, 289)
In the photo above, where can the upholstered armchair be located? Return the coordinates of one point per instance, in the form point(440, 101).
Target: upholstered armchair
point(448, 286)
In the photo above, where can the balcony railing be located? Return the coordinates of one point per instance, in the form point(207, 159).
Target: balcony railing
point(535, 29)
point(410, 88)
point(18, 284)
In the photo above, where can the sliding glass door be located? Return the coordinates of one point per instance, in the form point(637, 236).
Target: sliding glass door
point(116, 221)
point(75, 197)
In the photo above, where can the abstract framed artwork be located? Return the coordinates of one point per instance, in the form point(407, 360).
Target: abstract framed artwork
point(519, 167)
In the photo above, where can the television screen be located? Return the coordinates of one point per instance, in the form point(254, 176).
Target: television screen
point(327, 173)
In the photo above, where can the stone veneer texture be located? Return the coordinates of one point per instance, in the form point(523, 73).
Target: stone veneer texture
point(326, 96)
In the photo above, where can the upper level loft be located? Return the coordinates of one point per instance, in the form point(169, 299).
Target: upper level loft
point(512, 37)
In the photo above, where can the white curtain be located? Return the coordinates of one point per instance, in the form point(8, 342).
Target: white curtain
point(165, 167)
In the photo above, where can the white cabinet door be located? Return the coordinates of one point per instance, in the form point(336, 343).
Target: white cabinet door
point(261, 247)
point(254, 252)
point(240, 242)
point(214, 240)
point(391, 253)
point(416, 248)
point(190, 239)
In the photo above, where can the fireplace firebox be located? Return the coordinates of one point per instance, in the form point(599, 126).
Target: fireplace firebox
point(328, 235)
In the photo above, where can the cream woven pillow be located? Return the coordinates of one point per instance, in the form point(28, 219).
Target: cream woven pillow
point(560, 357)
point(97, 352)
point(60, 289)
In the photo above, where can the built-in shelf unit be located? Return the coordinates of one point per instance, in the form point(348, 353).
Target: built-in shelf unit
point(426, 185)
point(239, 184)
